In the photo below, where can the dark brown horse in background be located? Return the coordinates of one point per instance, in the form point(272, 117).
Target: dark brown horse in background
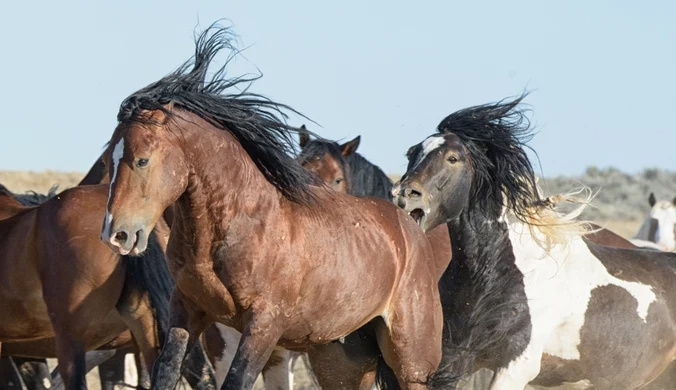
point(256, 246)
point(93, 295)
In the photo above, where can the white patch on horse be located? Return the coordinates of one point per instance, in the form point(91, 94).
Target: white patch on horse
point(558, 286)
point(429, 145)
point(118, 152)
point(664, 213)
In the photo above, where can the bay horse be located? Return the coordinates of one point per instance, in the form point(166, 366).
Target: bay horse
point(256, 245)
point(527, 294)
point(64, 292)
point(345, 170)
point(219, 341)
point(659, 227)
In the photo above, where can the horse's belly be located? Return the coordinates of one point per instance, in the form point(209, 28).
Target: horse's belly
point(24, 321)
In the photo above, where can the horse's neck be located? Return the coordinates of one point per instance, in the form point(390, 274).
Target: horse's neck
point(483, 288)
point(483, 245)
point(367, 179)
point(223, 185)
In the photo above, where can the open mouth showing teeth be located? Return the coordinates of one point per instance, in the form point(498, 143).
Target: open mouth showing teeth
point(418, 215)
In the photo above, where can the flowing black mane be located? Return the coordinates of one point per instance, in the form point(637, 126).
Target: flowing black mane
point(364, 177)
point(30, 198)
point(496, 135)
point(256, 121)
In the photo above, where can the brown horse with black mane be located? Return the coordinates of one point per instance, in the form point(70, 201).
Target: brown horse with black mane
point(65, 293)
point(257, 246)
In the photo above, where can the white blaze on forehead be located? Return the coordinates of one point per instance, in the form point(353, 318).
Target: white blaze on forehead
point(118, 152)
point(429, 145)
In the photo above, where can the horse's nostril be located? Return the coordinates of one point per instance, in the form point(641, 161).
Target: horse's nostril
point(412, 193)
point(121, 236)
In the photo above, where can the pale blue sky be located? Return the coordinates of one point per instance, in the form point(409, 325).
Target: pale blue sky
point(603, 72)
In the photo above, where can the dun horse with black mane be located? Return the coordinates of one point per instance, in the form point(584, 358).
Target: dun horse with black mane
point(528, 294)
point(257, 246)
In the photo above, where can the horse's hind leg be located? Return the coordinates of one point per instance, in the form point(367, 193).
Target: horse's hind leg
point(139, 317)
point(410, 335)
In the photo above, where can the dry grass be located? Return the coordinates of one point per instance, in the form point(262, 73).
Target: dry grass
point(22, 181)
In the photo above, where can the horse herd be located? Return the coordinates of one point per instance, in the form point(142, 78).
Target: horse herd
point(198, 243)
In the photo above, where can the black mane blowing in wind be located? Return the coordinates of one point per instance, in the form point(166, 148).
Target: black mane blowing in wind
point(256, 121)
point(495, 135)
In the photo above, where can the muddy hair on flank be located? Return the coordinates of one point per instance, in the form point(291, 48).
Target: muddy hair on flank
point(258, 123)
point(496, 136)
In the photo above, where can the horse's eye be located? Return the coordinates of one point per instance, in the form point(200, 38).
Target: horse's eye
point(339, 180)
point(452, 159)
point(142, 162)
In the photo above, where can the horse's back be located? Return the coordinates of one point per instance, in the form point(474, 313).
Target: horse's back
point(632, 295)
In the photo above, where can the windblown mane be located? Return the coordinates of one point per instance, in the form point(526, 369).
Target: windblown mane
point(257, 122)
point(495, 136)
point(30, 198)
point(549, 226)
point(364, 177)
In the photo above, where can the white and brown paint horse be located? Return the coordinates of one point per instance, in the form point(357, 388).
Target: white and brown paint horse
point(527, 295)
point(659, 227)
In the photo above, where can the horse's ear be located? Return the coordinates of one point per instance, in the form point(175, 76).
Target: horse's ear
point(651, 199)
point(348, 148)
point(304, 136)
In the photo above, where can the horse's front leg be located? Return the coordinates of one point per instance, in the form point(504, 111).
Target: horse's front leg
point(186, 324)
point(260, 336)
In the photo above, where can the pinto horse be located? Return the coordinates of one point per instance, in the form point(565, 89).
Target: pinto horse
point(528, 295)
point(94, 297)
point(256, 246)
point(659, 227)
